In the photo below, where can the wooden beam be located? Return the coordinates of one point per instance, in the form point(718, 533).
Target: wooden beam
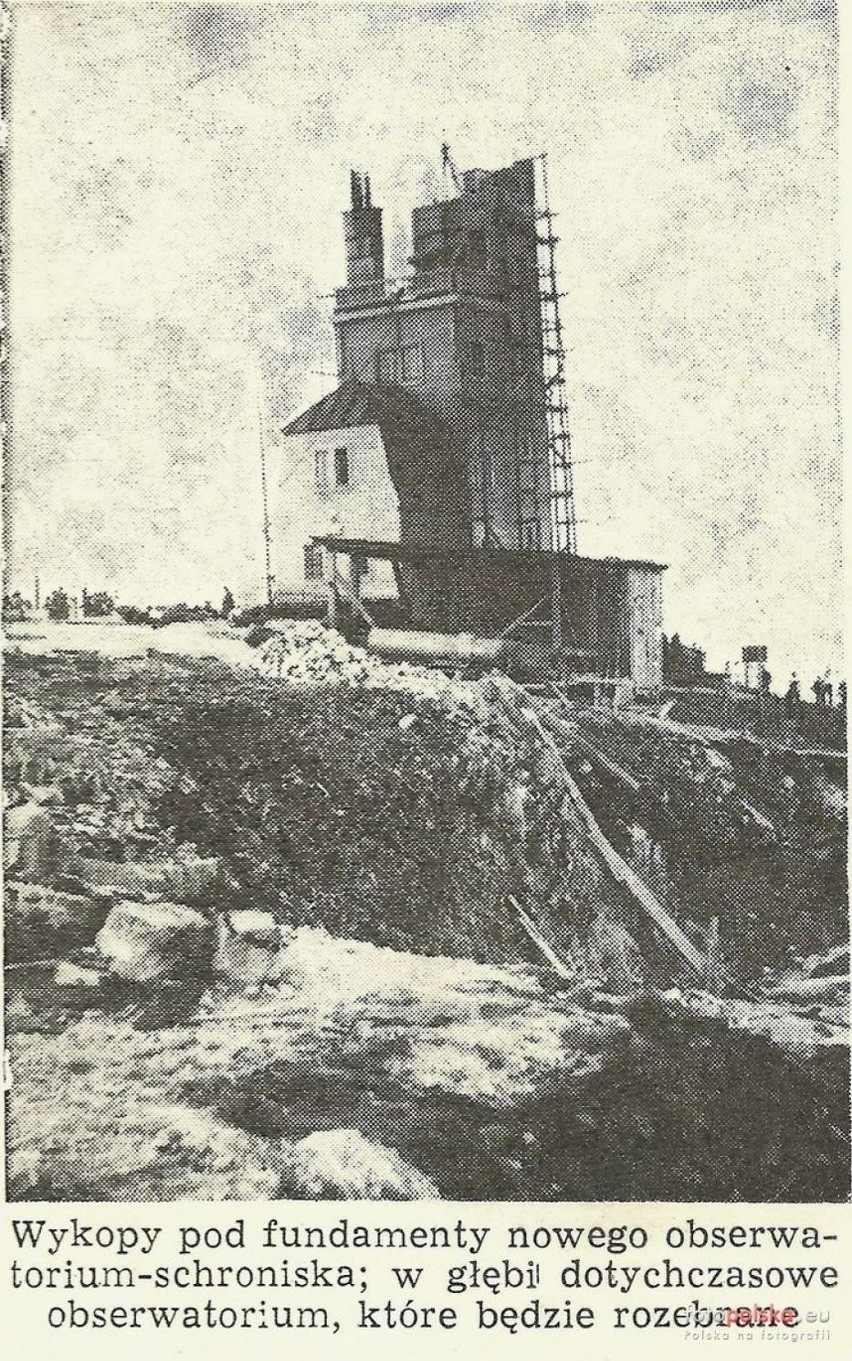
point(538, 939)
point(516, 623)
point(354, 599)
point(639, 890)
point(400, 586)
point(570, 732)
point(331, 593)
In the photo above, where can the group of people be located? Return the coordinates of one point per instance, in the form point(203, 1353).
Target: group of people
point(822, 690)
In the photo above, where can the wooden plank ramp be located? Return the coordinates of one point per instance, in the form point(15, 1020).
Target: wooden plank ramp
point(518, 704)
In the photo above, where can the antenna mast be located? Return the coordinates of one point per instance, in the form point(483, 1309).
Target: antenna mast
point(448, 165)
point(266, 542)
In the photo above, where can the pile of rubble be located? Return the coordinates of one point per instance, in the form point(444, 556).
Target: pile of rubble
point(20, 712)
point(93, 790)
point(308, 654)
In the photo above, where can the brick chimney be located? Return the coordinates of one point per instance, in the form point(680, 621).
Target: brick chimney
point(362, 232)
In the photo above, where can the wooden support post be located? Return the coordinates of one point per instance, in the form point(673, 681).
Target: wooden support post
point(355, 576)
point(344, 589)
point(557, 636)
point(331, 588)
point(400, 585)
point(638, 890)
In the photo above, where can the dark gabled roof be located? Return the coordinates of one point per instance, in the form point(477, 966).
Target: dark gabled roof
point(424, 465)
point(396, 411)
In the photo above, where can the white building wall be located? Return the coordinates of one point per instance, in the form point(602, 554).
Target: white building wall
point(645, 627)
point(301, 504)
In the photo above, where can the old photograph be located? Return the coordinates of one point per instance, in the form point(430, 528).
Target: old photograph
point(424, 689)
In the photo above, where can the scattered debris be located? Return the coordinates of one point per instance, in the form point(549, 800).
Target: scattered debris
point(406, 811)
point(311, 655)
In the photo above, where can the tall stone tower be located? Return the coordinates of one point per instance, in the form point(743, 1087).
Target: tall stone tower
point(463, 332)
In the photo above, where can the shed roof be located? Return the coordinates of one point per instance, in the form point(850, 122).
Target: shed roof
point(405, 552)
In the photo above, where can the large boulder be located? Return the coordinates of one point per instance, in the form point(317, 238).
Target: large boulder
point(144, 942)
point(340, 1164)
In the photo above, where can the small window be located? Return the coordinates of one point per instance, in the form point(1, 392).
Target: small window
point(321, 472)
point(387, 366)
point(341, 467)
point(313, 562)
point(412, 363)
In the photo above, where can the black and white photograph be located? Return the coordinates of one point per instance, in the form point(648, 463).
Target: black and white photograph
point(424, 736)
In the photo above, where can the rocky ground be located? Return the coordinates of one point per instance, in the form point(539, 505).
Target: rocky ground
point(260, 941)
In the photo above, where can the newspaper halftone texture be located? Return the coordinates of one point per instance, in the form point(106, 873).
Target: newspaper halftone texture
point(425, 755)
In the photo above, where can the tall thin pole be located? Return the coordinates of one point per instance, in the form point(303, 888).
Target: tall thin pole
point(266, 544)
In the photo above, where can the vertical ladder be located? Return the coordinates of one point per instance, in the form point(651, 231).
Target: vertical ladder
point(563, 518)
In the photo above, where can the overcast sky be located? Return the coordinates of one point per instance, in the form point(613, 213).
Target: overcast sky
point(178, 174)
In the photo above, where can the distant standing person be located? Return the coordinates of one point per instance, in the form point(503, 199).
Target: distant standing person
point(765, 680)
point(792, 696)
point(818, 689)
point(227, 603)
point(841, 695)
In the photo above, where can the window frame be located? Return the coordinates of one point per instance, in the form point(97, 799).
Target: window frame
point(344, 462)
